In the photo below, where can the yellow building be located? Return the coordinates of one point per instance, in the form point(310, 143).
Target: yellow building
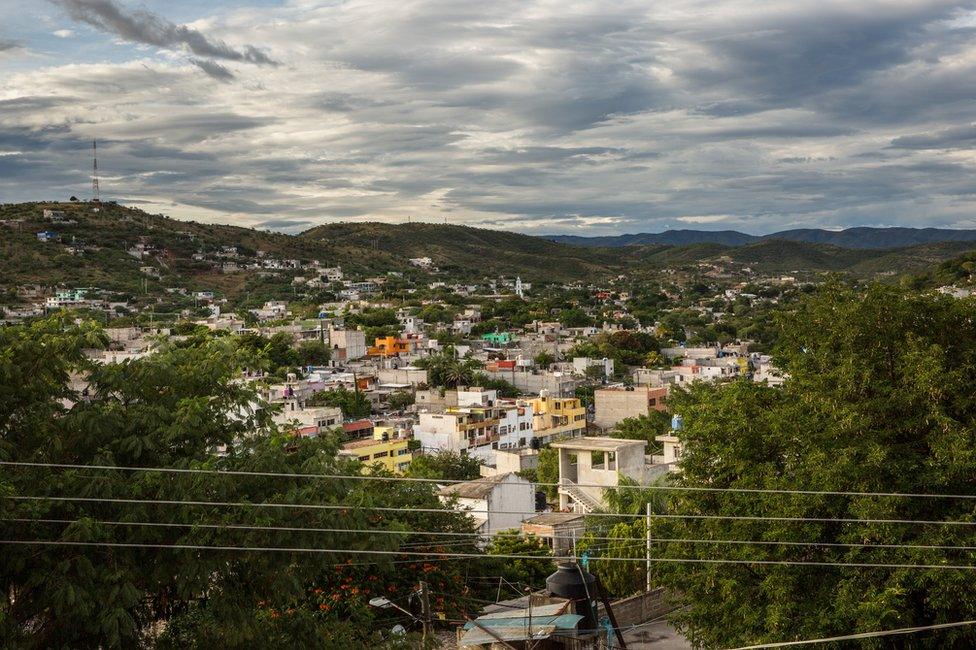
point(556, 418)
point(384, 447)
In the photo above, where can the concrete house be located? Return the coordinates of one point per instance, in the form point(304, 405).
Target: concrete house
point(611, 405)
point(589, 465)
point(496, 503)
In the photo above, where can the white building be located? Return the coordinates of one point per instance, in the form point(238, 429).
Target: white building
point(496, 503)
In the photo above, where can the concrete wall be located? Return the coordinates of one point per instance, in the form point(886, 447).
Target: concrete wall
point(510, 503)
point(640, 608)
point(402, 376)
point(613, 405)
point(527, 382)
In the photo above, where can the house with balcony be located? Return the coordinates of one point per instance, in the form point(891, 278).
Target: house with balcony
point(589, 466)
point(386, 447)
point(476, 422)
point(307, 421)
point(557, 418)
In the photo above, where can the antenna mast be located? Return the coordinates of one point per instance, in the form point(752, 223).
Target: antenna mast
point(96, 198)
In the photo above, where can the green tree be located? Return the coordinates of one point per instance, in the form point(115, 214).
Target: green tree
point(401, 399)
point(879, 399)
point(353, 403)
point(548, 470)
point(446, 465)
point(624, 537)
point(526, 572)
point(544, 359)
point(171, 410)
point(312, 353)
point(643, 427)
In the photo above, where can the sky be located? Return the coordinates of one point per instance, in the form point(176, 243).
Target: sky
point(587, 117)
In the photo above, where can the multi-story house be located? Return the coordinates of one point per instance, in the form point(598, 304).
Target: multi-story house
point(308, 421)
point(384, 447)
point(390, 346)
point(589, 466)
point(556, 418)
point(478, 425)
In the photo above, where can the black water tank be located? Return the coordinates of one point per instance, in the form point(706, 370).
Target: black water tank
point(571, 582)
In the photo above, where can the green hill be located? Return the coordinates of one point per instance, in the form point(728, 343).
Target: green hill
point(462, 249)
point(101, 241)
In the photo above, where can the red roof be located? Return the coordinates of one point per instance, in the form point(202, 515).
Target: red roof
point(358, 425)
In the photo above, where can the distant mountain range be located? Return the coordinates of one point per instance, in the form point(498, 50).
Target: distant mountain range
point(850, 238)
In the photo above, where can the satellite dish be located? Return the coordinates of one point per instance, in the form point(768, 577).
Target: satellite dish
point(398, 630)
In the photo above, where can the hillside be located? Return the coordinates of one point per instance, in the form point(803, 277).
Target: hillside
point(667, 238)
point(863, 238)
point(101, 249)
point(461, 249)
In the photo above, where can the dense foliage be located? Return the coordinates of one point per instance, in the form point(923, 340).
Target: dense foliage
point(446, 465)
point(879, 399)
point(123, 561)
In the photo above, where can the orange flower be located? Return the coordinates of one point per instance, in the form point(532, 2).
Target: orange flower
point(355, 590)
point(325, 607)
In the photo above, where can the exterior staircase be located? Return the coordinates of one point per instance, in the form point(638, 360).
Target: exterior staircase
point(581, 499)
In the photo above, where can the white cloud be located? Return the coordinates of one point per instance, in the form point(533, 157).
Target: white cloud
point(542, 116)
point(63, 33)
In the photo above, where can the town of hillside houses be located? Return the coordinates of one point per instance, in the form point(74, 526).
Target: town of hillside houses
point(511, 393)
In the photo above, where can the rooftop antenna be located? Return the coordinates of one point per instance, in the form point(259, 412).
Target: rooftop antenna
point(96, 198)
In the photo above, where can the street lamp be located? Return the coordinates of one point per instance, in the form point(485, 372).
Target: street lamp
point(385, 603)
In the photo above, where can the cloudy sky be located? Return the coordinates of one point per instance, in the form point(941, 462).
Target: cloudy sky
point(551, 116)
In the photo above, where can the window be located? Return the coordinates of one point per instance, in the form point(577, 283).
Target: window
point(364, 458)
point(381, 454)
point(403, 452)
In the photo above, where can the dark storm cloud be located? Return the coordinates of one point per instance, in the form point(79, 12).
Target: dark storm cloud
point(8, 44)
point(522, 114)
point(213, 69)
point(781, 58)
point(142, 26)
point(959, 137)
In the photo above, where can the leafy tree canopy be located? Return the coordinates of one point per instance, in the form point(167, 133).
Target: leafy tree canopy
point(175, 409)
point(879, 399)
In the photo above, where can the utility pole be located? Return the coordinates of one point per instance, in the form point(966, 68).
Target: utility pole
point(647, 526)
point(425, 606)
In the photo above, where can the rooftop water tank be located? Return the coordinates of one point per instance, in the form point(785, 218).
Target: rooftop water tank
point(570, 581)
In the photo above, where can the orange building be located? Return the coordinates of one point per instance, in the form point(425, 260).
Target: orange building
point(389, 346)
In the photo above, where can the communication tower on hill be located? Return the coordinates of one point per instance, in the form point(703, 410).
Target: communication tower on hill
point(96, 196)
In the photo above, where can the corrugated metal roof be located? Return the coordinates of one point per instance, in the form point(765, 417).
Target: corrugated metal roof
point(476, 637)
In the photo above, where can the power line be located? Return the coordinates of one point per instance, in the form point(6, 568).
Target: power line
point(861, 635)
point(414, 479)
point(319, 506)
point(435, 554)
point(487, 536)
